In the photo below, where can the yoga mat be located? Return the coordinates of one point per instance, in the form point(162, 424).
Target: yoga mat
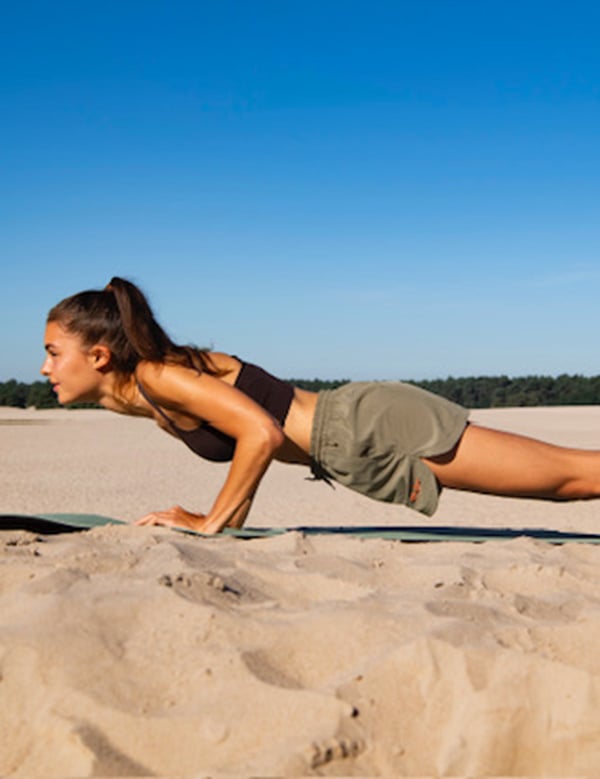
point(50, 524)
point(68, 523)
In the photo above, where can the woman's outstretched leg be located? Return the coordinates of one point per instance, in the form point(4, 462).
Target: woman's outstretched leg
point(500, 463)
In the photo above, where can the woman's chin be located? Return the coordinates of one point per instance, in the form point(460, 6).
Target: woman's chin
point(64, 398)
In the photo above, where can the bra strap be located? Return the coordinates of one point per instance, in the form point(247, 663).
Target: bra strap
point(156, 408)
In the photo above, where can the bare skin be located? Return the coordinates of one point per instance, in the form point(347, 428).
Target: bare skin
point(484, 460)
point(500, 463)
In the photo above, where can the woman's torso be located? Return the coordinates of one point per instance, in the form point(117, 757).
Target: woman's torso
point(297, 425)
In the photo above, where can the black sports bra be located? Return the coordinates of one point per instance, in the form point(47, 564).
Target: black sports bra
point(274, 395)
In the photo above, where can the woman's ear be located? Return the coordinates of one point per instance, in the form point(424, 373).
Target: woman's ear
point(100, 356)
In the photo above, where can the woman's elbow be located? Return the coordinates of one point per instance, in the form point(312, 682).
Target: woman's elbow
point(271, 437)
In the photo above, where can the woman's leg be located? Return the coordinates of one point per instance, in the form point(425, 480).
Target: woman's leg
point(500, 463)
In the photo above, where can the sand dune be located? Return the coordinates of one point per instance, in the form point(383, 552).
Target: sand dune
point(131, 651)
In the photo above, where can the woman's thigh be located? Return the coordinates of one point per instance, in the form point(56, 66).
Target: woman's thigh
point(502, 463)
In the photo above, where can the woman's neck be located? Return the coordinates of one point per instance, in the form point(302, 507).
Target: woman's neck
point(122, 396)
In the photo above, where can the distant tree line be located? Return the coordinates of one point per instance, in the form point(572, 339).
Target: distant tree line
point(499, 391)
point(38, 394)
point(502, 391)
point(472, 392)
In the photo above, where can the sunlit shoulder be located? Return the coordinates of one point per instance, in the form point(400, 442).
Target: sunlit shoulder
point(191, 396)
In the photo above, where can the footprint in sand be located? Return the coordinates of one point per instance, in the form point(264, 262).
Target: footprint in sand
point(209, 587)
point(468, 612)
point(559, 609)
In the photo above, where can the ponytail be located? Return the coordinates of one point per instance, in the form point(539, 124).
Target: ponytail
point(120, 317)
point(145, 336)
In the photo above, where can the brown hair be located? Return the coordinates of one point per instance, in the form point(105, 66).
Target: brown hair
point(120, 317)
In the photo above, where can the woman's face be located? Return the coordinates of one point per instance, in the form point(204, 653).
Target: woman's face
point(71, 367)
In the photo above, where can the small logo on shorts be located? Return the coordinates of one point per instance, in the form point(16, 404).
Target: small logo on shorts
point(416, 491)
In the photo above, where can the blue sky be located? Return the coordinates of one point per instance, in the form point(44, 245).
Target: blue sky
point(367, 190)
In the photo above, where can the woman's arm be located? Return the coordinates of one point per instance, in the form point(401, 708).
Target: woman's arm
point(257, 435)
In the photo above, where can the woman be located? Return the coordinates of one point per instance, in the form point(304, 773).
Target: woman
point(388, 440)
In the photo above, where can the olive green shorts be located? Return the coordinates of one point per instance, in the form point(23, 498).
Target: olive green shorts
point(370, 436)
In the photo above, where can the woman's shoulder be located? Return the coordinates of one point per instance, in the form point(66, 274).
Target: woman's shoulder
point(164, 380)
point(218, 362)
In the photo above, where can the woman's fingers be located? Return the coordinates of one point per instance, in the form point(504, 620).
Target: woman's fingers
point(173, 517)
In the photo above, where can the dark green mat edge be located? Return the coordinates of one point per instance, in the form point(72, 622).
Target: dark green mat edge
point(68, 523)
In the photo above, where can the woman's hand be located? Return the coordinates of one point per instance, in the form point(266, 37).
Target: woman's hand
point(178, 517)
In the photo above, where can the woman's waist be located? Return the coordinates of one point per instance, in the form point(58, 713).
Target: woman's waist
point(299, 421)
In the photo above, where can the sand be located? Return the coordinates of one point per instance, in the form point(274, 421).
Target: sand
point(130, 651)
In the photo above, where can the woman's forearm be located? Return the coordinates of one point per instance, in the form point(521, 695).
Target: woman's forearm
point(252, 457)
